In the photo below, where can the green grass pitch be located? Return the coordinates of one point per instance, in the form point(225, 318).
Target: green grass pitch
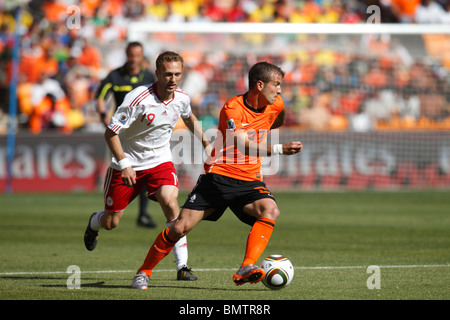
point(331, 239)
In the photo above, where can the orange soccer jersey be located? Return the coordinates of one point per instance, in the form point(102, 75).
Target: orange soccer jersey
point(236, 116)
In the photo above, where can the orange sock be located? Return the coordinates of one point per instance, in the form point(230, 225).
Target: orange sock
point(160, 248)
point(257, 240)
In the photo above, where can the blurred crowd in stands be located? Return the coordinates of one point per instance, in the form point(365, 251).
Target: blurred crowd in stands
point(382, 86)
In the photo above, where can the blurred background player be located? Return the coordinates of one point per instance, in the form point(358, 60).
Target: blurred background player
point(119, 82)
point(142, 158)
point(233, 177)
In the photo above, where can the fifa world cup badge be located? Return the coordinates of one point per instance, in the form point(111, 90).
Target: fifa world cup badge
point(123, 118)
point(230, 124)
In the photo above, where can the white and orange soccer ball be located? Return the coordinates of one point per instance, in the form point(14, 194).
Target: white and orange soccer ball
point(279, 271)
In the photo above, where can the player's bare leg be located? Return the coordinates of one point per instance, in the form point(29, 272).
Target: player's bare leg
point(102, 219)
point(167, 197)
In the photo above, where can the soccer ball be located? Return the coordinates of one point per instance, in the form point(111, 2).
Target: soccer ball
point(279, 271)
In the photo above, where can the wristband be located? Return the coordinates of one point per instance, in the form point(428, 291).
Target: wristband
point(124, 163)
point(277, 149)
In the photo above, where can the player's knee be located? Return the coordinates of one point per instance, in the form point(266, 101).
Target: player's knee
point(172, 204)
point(169, 203)
point(111, 219)
point(111, 225)
point(107, 226)
point(178, 230)
point(167, 196)
point(271, 212)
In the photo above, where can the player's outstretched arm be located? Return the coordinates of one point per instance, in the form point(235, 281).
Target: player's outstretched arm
point(248, 147)
point(195, 127)
point(292, 147)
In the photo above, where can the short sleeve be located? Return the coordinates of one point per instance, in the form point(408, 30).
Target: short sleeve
point(122, 119)
point(186, 110)
point(232, 118)
point(124, 115)
point(279, 104)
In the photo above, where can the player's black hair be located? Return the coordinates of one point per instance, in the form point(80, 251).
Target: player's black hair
point(262, 71)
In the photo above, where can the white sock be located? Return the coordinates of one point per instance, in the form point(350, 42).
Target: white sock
point(96, 221)
point(180, 250)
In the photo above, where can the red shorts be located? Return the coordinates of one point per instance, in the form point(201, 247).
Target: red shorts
point(118, 195)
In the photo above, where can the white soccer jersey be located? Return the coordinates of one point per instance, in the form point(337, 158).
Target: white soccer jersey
point(145, 124)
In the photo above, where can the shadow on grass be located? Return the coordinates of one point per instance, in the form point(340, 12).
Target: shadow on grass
point(104, 285)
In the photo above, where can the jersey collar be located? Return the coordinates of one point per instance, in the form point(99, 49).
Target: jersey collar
point(244, 98)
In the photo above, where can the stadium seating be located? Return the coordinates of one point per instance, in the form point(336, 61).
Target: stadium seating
point(78, 58)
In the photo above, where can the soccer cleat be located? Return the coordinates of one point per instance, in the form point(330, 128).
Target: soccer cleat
point(146, 221)
point(90, 236)
point(249, 273)
point(186, 274)
point(140, 281)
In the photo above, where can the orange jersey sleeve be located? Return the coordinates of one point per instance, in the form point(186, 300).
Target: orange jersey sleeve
point(235, 117)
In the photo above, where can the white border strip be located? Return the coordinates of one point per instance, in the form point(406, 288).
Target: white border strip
point(137, 28)
point(212, 269)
